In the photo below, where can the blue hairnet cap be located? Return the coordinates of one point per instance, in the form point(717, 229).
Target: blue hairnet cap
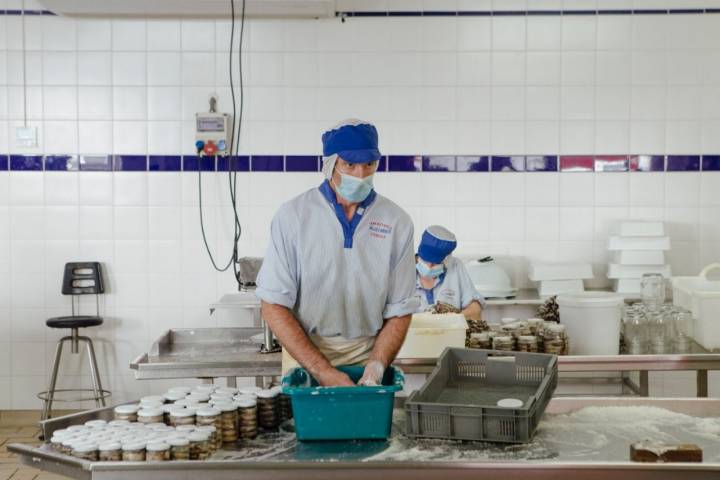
point(355, 142)
point(436, 243)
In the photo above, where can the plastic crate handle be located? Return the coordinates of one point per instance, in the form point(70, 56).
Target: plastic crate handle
point(708, 269)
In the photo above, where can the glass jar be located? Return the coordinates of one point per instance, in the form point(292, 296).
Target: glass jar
point(652, 291)
point(173, 396)
point(179, 448)
point(683, 330)
point(180, 389)
point(96, 424)
point(184, 416)
point(208, 416)
point(228, 422)
point(195, 398)
point(252, 391)
point(527, 343)
point(199, 445)
point(110, 451)
point(133, 451)
point(215, 436)
point(157, 452)
point(555, 339)
point(267, 409)
point(150, 415)
point(635, 332)
point(185, 429)
point(285, 405)
point(660, 325)
point(535, 325)
point(126, 412)
point(480, 340)
point(67, 444)
point(503, 342)
point(85, 451)
point(152, 399)
point(247, 417)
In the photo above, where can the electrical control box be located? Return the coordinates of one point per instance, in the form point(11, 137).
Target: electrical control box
point(212, 131)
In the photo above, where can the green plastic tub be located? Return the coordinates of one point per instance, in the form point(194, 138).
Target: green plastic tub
point(342, 413)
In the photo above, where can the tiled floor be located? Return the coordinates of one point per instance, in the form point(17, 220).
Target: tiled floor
point(19, 429)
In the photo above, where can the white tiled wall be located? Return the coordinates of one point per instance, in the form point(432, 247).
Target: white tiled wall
point(535, 85)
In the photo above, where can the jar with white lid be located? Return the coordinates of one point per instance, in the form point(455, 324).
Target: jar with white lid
point(503, 342)
point(228, 422)
point(66, 445)
point(96, 424)
point(152, 399)
point(527, 343)
point(267, 409)
point(247, 417)
point(85, 451)
point(227, 390)
point(173, 396)
point(180, 389)
point(199, 445)
point(197, 398)
point(133, 451)
point(184, 416)
point(480, 340)
point(179, 448)
point(208, 416)
point(118, 423)
point(205, 389)
point(110, 451)
point(185, 428)
point(150, 415)
point(555, 339)
point(126, 412)
point(157, 452)
point(215, 436)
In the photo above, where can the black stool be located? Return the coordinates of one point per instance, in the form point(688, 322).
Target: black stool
point(80, 278)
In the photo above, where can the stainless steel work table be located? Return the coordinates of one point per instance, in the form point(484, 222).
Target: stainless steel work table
point(572, 442)
point(231, 352)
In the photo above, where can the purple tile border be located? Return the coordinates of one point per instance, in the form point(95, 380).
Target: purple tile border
point(129, 163)
point(438, 163)
point(711, 163)
point(513, 163)
point(194, 163)
point(405, 163)
point(235, 163)
point(647, 163)
point(164, 163)
point(4, 163)
point(541, 163)
point(96, 163)
point(683, 163)
point(382, 164)
point(28, 163)
point(61, 163)
point(302, 163)
point(267, 163)
point(472, 163)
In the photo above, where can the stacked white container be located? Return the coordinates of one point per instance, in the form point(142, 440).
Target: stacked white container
point(555, 278)
point(638, 248)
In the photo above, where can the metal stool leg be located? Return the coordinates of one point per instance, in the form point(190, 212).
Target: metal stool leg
point(97, 385)
point(47, 407)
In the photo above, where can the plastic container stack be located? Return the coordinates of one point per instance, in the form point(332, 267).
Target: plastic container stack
point(638, 248)
point(555, 278)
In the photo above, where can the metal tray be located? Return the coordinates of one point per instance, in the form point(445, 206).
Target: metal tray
point(279, 456)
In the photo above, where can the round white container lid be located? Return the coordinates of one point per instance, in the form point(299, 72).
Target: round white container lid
point(590, 299)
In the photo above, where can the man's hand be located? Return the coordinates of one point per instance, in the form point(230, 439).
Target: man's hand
point(373, 374)
point(332, 377)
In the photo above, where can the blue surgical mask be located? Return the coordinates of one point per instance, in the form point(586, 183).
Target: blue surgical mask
point(425, 271)
point(354, 189)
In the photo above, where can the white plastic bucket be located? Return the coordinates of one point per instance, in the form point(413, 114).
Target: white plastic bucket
point(701, 296)
point(592, 321)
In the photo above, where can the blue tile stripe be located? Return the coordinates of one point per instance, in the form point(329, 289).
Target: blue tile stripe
point(392, 163)
point(26, 12)
point(514, 13)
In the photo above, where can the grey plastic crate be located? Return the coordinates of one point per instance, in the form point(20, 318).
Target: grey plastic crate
point(459, 400)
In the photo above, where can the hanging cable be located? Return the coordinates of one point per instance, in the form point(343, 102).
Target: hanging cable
point(24, 68)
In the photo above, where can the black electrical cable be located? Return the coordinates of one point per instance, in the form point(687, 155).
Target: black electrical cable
point(233, 150)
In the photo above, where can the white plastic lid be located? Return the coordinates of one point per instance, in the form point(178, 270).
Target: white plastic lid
point(199, 436)
point(276, 388)
point(157, 446)
point(180, 389)
point(151, 404)
point(95, 423)
point(197, 397)
point(182, 402)
point(249, 390)
point(507, 320)
point(107, 446)
point(152, 426)
point(174, 396)
point(590, 299)
point(185, 428)
point(510, 403)
point(226, 407)
point(483, 335)
point(218, 395)
point(134, 445)
point(206, 428)
point(150, 412)
point(118, 423)
point(555, 327)
point(246, 402)
point(208, 412)
point(63, 432)
point(152, 398)
point(69, 441)
point(178, 442)
point(77, 428)
point(534, 321)
point(527, 338)
point(85, 447)
point(127, 409)
point(503, 338)
point(268, 393)
point(230, 390)
point(208, 389)
point(184, 413)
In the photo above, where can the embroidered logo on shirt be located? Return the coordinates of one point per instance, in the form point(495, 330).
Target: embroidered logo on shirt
point(379, 229)
point(448, 293)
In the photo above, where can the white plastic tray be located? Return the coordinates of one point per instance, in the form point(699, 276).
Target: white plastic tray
point(637, 271)
point(639, 243)
point(641, 229)
point(560, 271)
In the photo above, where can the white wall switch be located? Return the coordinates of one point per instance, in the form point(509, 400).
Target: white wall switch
point(26, 137)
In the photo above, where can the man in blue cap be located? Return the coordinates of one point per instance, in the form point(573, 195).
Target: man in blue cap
point(337, 281)
point(442, 277)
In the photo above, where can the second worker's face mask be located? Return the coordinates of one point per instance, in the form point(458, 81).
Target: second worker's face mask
point(427, 271)
point(354, 189)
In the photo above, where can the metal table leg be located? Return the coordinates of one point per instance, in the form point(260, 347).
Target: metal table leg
point(231, 382)
point(702, 383)
point(644, 384)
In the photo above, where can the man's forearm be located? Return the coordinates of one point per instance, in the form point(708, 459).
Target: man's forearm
point(293, 338)
point(473, 311)
point(390, 339)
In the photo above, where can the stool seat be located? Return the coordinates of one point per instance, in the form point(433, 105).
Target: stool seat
point(78, 321)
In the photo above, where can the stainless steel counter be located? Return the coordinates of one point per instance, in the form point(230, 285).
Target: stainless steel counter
point(577, 438)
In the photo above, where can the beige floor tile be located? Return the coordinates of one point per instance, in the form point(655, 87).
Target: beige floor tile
point(25, 474)
point(6, 473)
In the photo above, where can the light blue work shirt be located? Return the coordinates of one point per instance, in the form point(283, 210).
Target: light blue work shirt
point(340, 277)
point(454, 287)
